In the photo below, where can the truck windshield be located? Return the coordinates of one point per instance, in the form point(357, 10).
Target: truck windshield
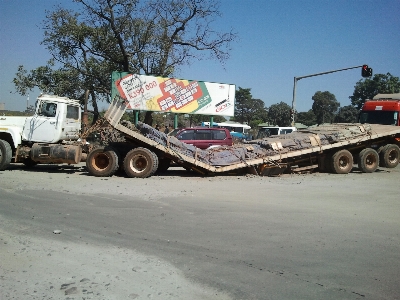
point(48, 109)
point(379, 117)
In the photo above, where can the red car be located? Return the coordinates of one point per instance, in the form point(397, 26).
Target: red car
point(204, 137)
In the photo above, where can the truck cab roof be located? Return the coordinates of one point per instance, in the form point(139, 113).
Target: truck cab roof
point(387, 97)
point(56, 98)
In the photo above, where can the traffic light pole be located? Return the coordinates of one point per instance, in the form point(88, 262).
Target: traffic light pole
point(311, 75)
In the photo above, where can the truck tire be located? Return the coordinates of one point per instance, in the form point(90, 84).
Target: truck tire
point(102, 162)
point(342, 162)
point(140, 162)
point(390, 156)
point(5, 155)
point(368, 160)
point(157, 162)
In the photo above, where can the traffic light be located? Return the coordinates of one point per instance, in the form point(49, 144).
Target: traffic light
point(366, 71)
point(369, 72)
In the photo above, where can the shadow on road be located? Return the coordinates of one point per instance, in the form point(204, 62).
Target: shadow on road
point(81, 169)
point(174, 171)
point(48, 168)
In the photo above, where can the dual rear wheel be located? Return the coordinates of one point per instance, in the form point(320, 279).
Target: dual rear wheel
point(139, 162)
point(341, 162)
point(389, 156)
point(102, 162)
point(368, 159)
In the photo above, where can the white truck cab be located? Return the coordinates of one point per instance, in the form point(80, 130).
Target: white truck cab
point(44, 136)
point(55, 119)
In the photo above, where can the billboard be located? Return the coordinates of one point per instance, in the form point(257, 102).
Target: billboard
point(161, 94)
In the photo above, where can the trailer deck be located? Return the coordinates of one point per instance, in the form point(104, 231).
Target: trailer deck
point(257, 155)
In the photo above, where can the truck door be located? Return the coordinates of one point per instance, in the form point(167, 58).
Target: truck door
point(72, 123)
point(43, 126)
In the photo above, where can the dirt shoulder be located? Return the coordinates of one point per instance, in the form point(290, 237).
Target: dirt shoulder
point(34, 268)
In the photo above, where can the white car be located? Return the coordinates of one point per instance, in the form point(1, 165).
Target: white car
point(264, 132)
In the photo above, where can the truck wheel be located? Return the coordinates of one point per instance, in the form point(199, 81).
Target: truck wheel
point(5, 155)
point(368, 160)
point(140, 162)
point(390, 156)
point(342, 162)
point(102, 162)
point(156, 164)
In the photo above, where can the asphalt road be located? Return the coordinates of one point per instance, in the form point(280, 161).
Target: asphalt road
point(312, 236)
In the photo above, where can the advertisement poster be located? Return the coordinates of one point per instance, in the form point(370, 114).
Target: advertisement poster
point(162, 94)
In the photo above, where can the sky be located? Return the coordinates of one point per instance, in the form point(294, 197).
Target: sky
point(277, 41)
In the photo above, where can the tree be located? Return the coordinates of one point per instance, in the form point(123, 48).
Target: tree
point(279, 114)
point(242, 100)
point(195, 120)
point(325, 106)
point(307, 118)
point(260, 113)
point(151, 37)
point(347, 114)
point(368, 88)
point(247, 109)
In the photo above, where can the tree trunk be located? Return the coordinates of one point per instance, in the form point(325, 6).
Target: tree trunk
point(148, 118)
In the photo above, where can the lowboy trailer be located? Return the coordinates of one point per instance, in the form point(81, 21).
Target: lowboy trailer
point(329, 148)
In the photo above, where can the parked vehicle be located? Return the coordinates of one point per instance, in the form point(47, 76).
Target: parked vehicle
point(264, 132)
point(382, 109)
point(174, 131)
point(204, 137)
point(329, 148)
point(237, 130)
point(142, 150)
point(51, 135)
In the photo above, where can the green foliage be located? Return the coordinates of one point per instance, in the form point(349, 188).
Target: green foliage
point(29, 111)
point(242, 99)
point(347, 114)
point(368, 88)
point(167, 119)
point(247, 109)
point(307, 118)
point(325, 106)
point(279, 114)
point(139, 36)
point(196, 120)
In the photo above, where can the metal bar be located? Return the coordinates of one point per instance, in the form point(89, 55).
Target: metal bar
point(328, 72)
point(312, 75)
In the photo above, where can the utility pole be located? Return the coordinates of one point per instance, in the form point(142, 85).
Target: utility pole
point(312, 75)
